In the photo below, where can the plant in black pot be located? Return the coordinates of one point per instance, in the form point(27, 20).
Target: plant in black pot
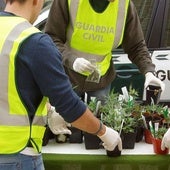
point(135, 107)
point(92, 141)
point(129, 132)
point(114, 121)
point(110, 116)
point(137, 115)
point(131, 114)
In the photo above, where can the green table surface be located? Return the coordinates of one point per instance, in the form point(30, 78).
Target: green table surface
point(75, 157)
point(101, 162)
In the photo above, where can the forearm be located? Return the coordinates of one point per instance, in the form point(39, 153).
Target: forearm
point(89, 123)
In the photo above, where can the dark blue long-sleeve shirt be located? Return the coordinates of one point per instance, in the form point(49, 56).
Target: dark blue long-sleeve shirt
point(39, 72)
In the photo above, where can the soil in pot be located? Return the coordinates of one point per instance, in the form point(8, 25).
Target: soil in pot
point(157, 147)
point(116, 152)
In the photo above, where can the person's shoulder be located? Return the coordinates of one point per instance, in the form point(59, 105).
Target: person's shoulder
point(42, 43)
point(132, 12)
point(38, 47)
point(40, 39)
point(38, 43)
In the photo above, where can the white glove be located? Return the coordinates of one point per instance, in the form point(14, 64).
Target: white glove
point(111, 139)
point(56, 123)
point(151, 79)
point(166, 140)
point(81, 65)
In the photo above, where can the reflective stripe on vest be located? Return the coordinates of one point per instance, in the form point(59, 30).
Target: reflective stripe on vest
point(15, 128)
point(94, 35)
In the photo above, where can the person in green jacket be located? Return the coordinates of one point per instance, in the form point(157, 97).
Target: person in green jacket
point(87, 31)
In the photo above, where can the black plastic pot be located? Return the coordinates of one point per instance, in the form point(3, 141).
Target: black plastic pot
point(153, 93)
point(47, 136)
point(128, 140)
point(76, 135)
point(139, 133)
point(116, 152)
point(91, 141)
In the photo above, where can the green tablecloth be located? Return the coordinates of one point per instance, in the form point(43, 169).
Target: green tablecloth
point(102, 162)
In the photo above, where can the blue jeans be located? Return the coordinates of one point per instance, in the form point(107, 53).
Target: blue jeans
point(21, 162)
point(99, 94)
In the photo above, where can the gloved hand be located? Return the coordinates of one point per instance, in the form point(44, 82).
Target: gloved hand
point(151, 79)
point(166, 140)
point(56, 123)
point(81, 65)
point(111, 139)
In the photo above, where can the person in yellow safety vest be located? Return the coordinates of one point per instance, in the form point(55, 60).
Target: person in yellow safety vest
point(87, 32)
point(31, 74)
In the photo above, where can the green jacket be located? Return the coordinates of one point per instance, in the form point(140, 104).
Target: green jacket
point(133, 43)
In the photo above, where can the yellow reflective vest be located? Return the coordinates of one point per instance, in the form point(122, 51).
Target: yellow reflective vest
point(93, 35)
point(15, 128)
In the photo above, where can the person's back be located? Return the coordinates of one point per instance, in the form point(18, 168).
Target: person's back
point(31, 73)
